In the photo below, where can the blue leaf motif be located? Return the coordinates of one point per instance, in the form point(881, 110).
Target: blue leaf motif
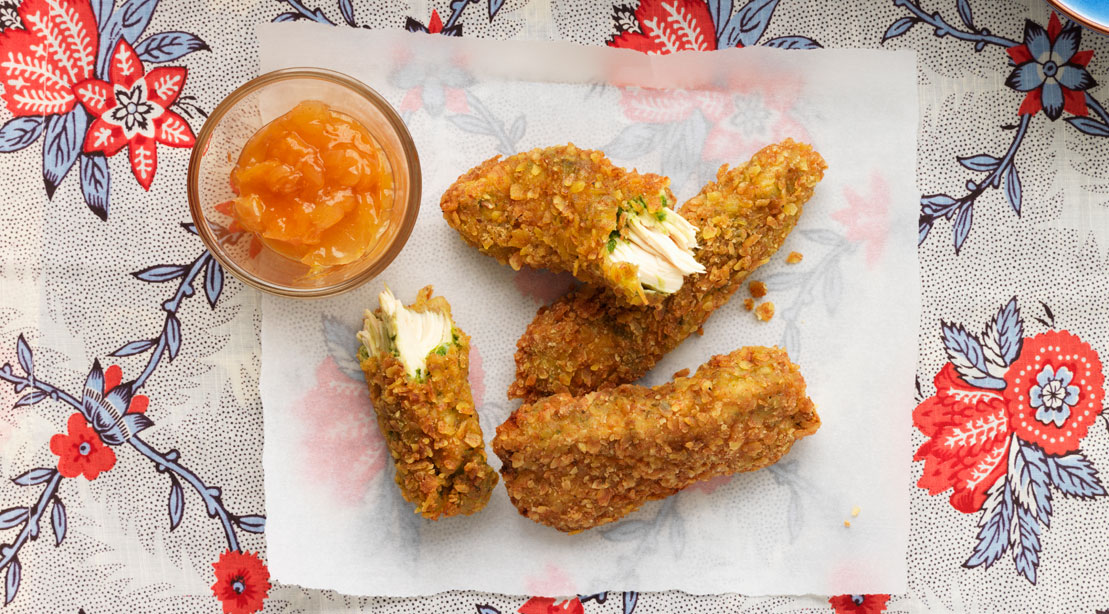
point(161, 273)
point(169, 46)
point(176, 502)
point(1012, 188)
point(34, 476)
point(252, 524)
point(103, 11)
point(964, 351)
point(213, 282)
point(487, 609)
point(1026, 545)
point(626, 530)
point(899, 27)
point(832, 286)
point(993, 534)
point(11, 580)
point(922, 232)
point(23, 354)
point(472, 124)
point(129, 22)
point(135, 347)
point(1075, 476)
point(822, 236)
point(962, 225)
point(634, 141)
point(720, 11)
point(793, 42)
point(63, 137)
point(935, 205)
point(290, 16)
point(748, 25)
point(630, 599)
point(96, 183)
point(682, 146)
point(1028, 478)
point(57, 521)
point(981, 162)
point(190, 227)
point(1089, 126)
point(1010, 330)
point(494, 7)
point(340, 341)
point(173, 335)
point(20, 132)
point(31, 398)
point(12, 517)
point(347, 9)
point(965, 14)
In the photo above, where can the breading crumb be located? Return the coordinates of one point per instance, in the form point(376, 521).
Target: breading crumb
point(847, 523)
point(855, 511)
point(749, 304)
point(757, 289)
point(765, 311)
point(684, 372)
point(794, 257)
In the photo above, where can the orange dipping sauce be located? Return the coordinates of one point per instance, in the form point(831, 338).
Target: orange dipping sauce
point(314, 185)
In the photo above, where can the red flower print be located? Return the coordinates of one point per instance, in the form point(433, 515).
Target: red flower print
point(40, 64)
point(435, 24)
point(666, 26)
point(1051, 69)
point(81, 452)
point(112, 377)
point(968, 439)
point(134, 110)
point(1055, 391)
point(242, 582)
point(867, 216)
point(546, 605)
point(859, 604)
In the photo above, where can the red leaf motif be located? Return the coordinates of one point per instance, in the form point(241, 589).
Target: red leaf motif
point(656, 106)
point(968, 437)
point(668, 26)
point(144, 160)
point(171, 129)
point(163, 84)
point(104, 137)
point(125, 65)
point(40, 64)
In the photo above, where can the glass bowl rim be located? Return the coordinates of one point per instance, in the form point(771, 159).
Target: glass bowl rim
point(408, 149)
point(1064, 6)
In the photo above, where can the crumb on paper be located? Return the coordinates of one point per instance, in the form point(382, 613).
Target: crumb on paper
point(757, 289)
point(855, 511)
point(765, 311)
point(847, 523)
point(749, 304)
point(794, 257)
point(684, 372)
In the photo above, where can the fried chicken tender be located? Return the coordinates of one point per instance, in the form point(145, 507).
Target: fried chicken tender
point(569, 209)
point(587, 340)
point(416, 363)
point(575, 463)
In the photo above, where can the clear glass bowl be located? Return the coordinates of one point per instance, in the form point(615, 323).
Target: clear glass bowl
point(243, 113)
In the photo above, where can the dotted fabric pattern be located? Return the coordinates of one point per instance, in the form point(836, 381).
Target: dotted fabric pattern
point(66, 287)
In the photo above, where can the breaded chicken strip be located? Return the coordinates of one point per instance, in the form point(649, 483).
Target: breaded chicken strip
point(574, 463)
point(416, 363)
point(587, 339)
point(569, 209)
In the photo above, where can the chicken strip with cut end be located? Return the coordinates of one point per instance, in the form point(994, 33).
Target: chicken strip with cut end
point(574, 463)
point(589, 339)
point(568, 209)
point(416, 363)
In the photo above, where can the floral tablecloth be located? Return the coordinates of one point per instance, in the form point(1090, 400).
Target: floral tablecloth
point(131, 434)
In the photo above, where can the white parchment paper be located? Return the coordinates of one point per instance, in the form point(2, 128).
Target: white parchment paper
point(848, 313)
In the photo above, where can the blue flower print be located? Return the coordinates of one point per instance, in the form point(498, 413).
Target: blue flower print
point(1053, 396)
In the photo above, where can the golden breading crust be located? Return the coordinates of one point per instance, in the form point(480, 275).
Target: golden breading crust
point(586, 340)
point(574, 463)
point(431, 427)
point(556, 209)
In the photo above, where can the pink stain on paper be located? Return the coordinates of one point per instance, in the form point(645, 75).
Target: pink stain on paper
point(343, 447)
point(542, 286)
point(477, 375)
point(553, 581)
point(710, 485)
point(866, 217)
